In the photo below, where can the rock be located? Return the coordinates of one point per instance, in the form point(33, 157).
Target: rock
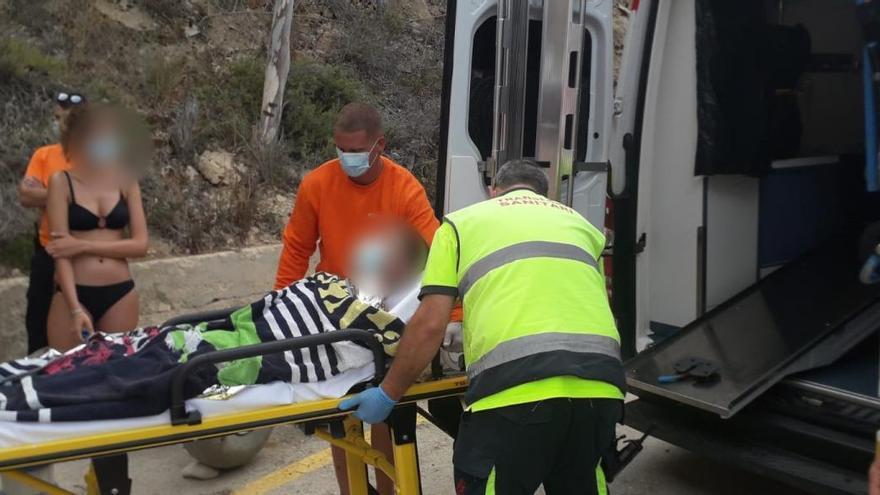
point(191, 173)
point(192, 29)
point(325, 40)
point(253, 236)
point(127, 14)
point(278, 205)
point(198, 471)
point(219, 168)
point(412, 9)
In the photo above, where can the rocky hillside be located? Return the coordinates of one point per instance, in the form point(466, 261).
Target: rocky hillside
point(194, 69)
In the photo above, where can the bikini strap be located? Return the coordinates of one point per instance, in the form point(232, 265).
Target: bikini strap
point(70, 185)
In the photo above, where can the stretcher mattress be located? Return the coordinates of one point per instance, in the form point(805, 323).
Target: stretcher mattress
point(14, 433)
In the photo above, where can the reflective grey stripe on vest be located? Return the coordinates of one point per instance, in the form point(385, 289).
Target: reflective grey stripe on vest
point(521, 347)
point(521, 251)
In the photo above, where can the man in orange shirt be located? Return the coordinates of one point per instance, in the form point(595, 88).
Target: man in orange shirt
point(335, 200)
point(32, 191)
point(333, 205)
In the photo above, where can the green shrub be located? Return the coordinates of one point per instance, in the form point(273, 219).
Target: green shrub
point(186, 116)
point(314, 95)
point(270, 163)
point(17, 252)
point(181, 212)
point(18, 60)
point(395, 22)
point(231, 102)
point(197, 217)
point(162, 76)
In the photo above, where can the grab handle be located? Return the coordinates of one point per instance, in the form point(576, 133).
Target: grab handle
point(179, 414)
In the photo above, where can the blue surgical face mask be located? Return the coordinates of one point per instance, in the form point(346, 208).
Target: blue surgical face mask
point(355, 164)
point(104, 151)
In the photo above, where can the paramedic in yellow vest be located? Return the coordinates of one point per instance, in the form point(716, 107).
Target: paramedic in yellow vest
point(540, 343)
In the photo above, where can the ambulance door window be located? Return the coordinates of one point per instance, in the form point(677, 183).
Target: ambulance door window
point(481, 105)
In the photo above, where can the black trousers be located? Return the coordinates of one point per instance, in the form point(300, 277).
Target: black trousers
point(41, 288)
point(557, 442)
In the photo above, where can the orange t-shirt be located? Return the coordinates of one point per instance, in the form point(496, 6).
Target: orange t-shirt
point(46, 162)
point(331, 209)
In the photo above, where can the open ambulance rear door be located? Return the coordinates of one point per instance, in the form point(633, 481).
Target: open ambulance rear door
point(527, 79)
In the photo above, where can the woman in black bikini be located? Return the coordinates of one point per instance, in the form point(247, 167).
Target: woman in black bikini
point(89, 208)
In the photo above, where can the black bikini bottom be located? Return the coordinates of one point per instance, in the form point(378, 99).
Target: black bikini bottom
point(97, 299)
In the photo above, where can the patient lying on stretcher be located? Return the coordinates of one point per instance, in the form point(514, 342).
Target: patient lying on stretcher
point(128, 375)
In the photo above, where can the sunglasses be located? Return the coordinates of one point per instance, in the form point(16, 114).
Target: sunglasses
point(67, 100)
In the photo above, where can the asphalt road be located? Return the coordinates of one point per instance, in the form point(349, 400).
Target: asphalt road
point(293, 463)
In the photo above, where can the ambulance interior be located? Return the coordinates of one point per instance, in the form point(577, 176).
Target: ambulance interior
point(753, 202)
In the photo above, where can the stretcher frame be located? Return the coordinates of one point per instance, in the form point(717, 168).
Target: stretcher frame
point(108, 473)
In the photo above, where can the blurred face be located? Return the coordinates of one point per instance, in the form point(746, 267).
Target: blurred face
point(382, 262)
point(99, 147)
point(358, 153)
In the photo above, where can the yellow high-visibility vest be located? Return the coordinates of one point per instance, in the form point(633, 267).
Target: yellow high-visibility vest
point(537, 323)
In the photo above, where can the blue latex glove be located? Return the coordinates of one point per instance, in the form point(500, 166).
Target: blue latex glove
point(373, 405)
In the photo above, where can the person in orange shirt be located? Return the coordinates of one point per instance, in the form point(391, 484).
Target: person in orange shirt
point(335, 202)
point(32, 193)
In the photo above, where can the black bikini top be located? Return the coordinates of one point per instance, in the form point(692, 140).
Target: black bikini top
point(81, 218)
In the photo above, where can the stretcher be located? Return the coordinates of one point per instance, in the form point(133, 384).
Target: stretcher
point(108, 473)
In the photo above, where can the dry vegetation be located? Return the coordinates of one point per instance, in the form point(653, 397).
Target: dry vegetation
point(194, 70)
